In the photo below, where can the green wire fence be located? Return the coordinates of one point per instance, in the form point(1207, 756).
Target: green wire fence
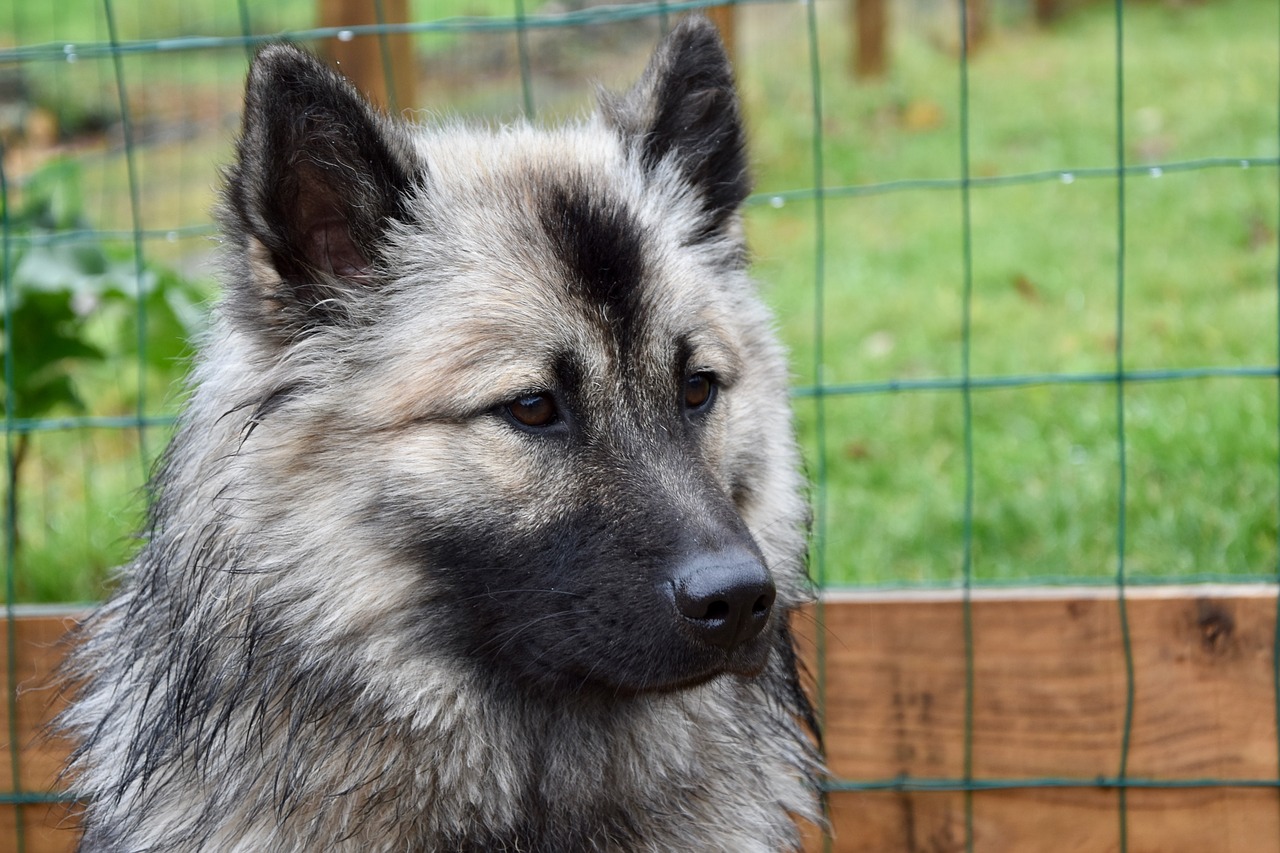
point(936, 243)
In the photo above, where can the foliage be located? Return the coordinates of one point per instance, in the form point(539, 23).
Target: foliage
point(67, 284)
point(74, 306)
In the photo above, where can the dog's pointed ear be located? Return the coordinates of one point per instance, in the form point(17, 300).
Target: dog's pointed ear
point(318, 179)
point(683, 113)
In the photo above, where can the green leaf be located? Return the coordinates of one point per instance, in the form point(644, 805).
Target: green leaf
point(53, 196)
point(59, 268)
point(173, 318)
point(44, 342)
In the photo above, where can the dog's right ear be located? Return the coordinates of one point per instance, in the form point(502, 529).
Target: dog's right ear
point(684, 113)
point(318, 179)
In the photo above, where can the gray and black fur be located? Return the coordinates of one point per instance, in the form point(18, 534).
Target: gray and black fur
point(483, 524)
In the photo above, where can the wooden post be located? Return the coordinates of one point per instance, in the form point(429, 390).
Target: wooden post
point(723, 18)
point(381, 64)
point(976, 23)
point(1046, 11)
point(870, 37)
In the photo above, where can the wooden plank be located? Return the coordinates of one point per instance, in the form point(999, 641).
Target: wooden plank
point(1049, 703)
point(1049, 699)
point(46, 828)
point(1058, 820)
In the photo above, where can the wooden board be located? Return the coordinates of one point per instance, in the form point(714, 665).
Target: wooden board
point(1049, 702)
point(45, 828)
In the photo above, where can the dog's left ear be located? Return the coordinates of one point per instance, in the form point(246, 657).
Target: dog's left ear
point(683, 113)
point(319, 179)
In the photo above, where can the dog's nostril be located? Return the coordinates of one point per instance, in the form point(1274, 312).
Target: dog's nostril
point(724, 597)
point(716, 610)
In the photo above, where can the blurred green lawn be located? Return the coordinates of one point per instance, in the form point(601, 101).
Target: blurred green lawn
point(1200, 279)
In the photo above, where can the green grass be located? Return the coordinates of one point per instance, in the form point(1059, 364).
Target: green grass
point(1202, 80)
point(1200, 280)
point(81, 501)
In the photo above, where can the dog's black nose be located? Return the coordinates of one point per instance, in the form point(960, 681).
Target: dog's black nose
point(724, 596)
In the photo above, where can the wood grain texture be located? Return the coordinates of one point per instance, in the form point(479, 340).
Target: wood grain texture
point(39, 647)
point(1049, 699)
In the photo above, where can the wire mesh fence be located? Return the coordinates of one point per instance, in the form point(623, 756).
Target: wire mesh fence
point(1029, 275)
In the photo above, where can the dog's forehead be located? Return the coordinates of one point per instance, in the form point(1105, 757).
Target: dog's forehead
point(545, 228)
point(562, 197)
point(545, 247)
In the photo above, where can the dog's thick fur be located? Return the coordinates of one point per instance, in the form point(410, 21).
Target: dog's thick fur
point(480, 414)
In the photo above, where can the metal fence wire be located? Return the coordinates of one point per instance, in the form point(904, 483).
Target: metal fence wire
point(137, 101)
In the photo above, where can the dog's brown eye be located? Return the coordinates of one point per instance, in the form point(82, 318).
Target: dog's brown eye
point(698, 391)
point(536, 410)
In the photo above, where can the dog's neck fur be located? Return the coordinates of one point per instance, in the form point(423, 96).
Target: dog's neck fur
point(360, 779)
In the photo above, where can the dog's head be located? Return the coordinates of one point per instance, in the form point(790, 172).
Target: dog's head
point(510, 394)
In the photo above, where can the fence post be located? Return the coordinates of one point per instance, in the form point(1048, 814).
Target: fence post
point(380, 64)
point(871, 28)
point(1046, 11)
point(976, 23)
point(723, 18)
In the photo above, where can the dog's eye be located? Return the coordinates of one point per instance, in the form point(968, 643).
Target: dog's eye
point(535, 410)
point(699, 392)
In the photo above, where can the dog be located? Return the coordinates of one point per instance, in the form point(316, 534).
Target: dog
point(484, 520)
